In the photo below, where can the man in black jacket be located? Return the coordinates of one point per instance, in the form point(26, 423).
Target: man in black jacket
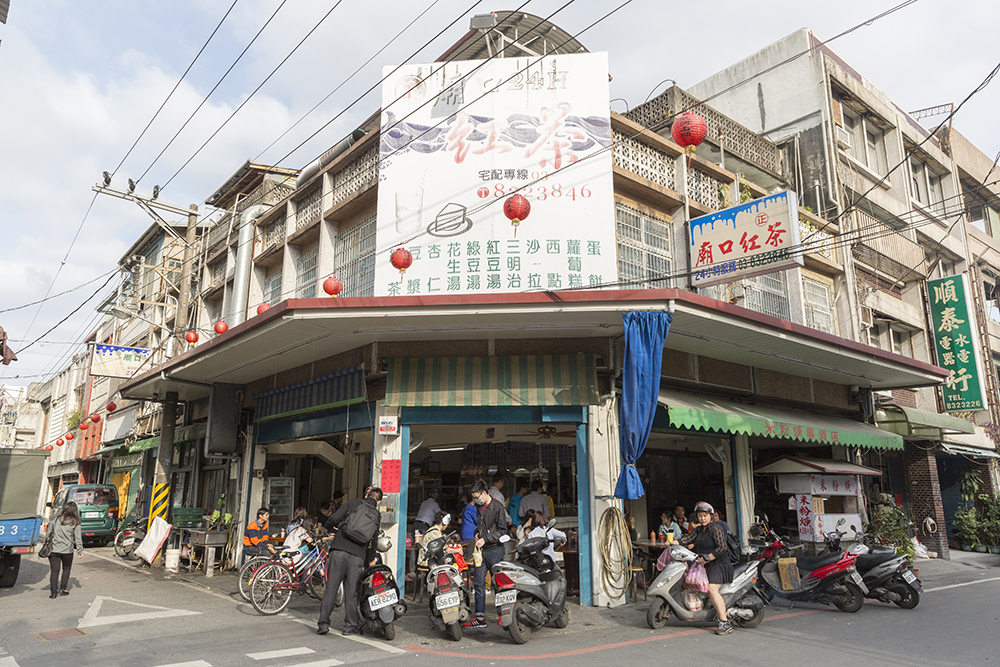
point(492, 526)
point(345, 563)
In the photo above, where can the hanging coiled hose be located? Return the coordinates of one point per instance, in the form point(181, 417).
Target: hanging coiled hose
point(616, 553)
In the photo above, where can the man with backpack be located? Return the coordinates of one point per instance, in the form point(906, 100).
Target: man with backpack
point(353, 547)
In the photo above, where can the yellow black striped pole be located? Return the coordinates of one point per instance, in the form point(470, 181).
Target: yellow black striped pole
point(158, 504)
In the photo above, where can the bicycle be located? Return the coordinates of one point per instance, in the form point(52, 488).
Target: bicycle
point(272, 583)
point(128, 539)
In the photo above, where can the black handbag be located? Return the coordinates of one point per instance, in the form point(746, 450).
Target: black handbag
point(46, 549)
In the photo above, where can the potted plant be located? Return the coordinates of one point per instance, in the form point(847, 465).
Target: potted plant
point(967, 527)
point(991, 522)
point(890, 526)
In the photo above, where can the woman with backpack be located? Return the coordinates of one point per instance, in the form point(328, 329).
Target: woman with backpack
point(66, 536)
point(709, 541)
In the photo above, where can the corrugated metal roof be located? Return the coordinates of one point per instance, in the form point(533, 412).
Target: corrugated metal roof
point(4, 8)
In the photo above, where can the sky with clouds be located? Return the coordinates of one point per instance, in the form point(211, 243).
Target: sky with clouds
point(79, 81)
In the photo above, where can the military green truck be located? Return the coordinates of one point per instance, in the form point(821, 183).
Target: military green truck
point(22, 473)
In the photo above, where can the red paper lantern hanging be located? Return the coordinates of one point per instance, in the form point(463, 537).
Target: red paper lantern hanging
point(112, 406)
point(48, 447)
point(70, 436)
point(60, 442)
point(191, 337)
point(221, 327)
point(401, 259)
point(333, 286)
point(689, 131)
point(95, 417)
point(262, 307)
point(516, 208)
point(83, 426)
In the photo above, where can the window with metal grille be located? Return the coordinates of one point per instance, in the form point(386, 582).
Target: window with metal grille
point(272, 288)
point(305, 274)
point(354, 258)
point(214, 309)
point(765, 294)
point(644, 255)
point(818, 298)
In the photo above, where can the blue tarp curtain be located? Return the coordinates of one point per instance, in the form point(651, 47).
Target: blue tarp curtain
point(645, 333)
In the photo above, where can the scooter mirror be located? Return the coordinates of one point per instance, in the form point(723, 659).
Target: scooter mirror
point(552, 523)
point(504, 539)
point(853, 528)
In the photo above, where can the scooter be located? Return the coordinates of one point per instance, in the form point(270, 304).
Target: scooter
point(829, 578)
point(887, 574)
point(378, 595)
point(530, 591)
point(447, 597)
point(744, 601)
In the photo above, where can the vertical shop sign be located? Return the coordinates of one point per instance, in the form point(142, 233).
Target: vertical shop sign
point(957, 345)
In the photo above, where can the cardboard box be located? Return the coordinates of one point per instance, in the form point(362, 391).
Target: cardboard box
point(788, 570)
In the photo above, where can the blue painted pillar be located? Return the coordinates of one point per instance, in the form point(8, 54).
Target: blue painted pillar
point(404, 491)
point(583, 496)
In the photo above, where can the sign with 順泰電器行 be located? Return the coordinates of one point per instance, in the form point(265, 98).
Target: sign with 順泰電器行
point(956, 343)
point(459, 138)
point(760, 236)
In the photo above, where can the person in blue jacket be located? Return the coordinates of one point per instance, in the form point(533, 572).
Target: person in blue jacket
point(470, 521)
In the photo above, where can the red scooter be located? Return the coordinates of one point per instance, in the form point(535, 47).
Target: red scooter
point(829, 578)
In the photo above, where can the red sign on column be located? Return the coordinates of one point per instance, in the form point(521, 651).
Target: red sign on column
point(391, 469)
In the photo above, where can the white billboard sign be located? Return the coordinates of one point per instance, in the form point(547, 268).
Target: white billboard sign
point(760, 236)
point(117, 362)
point(459, 138)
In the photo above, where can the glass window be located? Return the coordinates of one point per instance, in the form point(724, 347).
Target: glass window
point(867, 142)
point(900, 342)
point(354, 258)
point(305, 278)
point(819, 305)
point(643, 248)
point(272, 288)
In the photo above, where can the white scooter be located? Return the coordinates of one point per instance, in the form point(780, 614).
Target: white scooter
point(744, 602)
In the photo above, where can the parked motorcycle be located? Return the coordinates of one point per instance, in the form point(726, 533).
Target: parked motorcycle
point(887, 574)
point(531, 590)
point(447, 597)
point(378, 595)
point(829, 578)
point(744, 601)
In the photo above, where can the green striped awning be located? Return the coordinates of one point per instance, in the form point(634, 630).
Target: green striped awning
point(565, 379)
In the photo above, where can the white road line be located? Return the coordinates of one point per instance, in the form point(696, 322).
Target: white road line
point(388, 648)
point(284, 653)
point(193, 663)
point(8, 661)
point(92, 618)
point(968, 583)
point(329, 662)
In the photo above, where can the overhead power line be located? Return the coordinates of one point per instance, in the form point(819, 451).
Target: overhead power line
point(56, 296)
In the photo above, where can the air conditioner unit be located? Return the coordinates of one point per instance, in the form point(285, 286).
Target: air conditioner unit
point(844, 138)
point(867, 317)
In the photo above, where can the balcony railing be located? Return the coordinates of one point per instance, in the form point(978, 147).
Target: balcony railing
point(267, 193)
point(644, 160)
point(886, 249)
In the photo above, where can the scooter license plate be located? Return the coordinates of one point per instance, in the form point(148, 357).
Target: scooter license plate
point(856, 578)
point(447, 600)
point(376, 602)
point(908, 577)
point(506, 597)
point(128, 541)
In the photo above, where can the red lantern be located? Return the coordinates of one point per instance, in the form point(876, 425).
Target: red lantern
point(112, 407)
point(60, 442)
point(83, 426)
point(48, 447)
point(191, 337)
point(516, 208)
point(95, 417)
point(401, 259)
point(333, 286)
point(69, 436)
point(221, 327)
point(689, 131)
point(262, 307)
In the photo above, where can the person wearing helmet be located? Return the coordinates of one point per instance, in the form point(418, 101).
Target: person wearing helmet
point(708, 540)
point(441, 521)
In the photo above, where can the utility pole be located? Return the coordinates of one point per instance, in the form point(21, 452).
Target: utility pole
point(182, 318)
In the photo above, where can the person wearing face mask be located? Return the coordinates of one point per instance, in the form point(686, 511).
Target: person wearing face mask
point(492, 526)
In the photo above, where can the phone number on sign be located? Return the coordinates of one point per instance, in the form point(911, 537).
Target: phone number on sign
point(536, 192)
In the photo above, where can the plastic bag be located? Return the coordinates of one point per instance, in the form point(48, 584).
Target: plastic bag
point(697, 578)
point(663, 560)
point(919, 549)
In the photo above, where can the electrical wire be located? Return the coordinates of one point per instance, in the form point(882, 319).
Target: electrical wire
point(616, 553)
point(214, 88)
point(255, 90)
point(71, 313)
point(56, 296)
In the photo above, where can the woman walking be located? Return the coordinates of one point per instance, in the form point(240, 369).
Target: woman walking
point(66, 537)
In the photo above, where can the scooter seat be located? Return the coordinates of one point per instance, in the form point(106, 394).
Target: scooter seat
point(868, 561)
point(816, 562)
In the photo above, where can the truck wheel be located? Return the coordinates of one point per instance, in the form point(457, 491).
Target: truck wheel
point(12, 564)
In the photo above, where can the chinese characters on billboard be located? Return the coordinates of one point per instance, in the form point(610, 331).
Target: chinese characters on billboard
point(956, 343)
point(760, 236)
point(462, 138)
point(117, 362)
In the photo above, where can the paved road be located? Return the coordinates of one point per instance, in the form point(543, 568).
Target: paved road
point(117, 615)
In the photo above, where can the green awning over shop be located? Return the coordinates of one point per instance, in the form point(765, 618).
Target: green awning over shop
point(712, 414)
point(495, 381)
point(110, 447)
point(913, 423)
point(950, 448)
point(148, 443)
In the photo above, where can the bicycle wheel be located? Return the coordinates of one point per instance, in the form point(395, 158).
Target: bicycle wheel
point(247, 572)
point(271, 589)
point(317, 585)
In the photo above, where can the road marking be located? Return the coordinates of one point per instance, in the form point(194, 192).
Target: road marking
point(968, 583)
point(284, 653)
point(388, 648)
point(92, 619)
point(193, 663)
point(8, 661)
point(329, 662)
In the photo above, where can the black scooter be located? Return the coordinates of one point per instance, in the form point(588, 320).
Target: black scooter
point(530, 591)
point(447, 597)
point(378, 595)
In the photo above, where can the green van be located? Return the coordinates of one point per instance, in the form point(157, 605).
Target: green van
point(98, 505)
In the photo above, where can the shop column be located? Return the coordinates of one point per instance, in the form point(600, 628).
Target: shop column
point(925, 495)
